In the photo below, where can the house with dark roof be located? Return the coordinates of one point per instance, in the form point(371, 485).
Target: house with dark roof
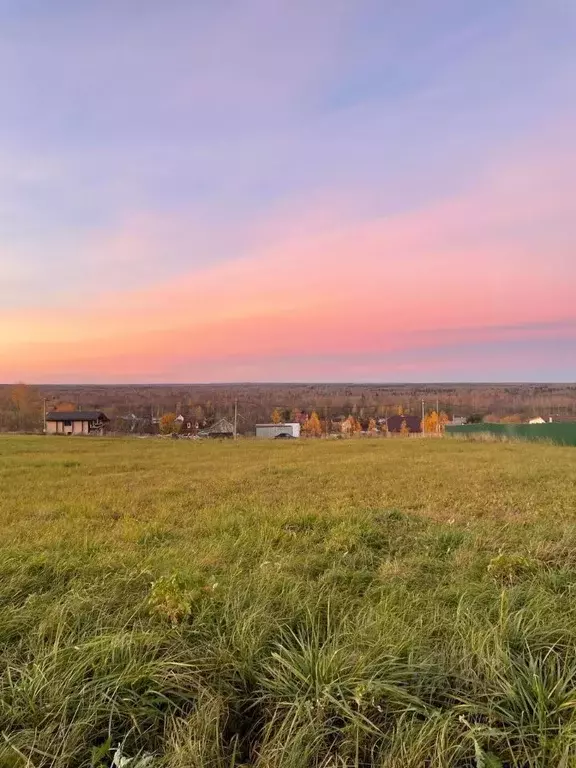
point(76, 422)
point(190, 426)
point(222, 428)
point(395, 424)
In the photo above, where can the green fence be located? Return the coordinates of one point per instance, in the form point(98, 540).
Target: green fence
point(562, 434)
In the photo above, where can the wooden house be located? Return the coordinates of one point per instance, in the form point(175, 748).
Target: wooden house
point(75, 422)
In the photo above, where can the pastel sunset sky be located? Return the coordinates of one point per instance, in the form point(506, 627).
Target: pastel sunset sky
point(287, 190)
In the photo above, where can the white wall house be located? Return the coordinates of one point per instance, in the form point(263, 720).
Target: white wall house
point(292, 429)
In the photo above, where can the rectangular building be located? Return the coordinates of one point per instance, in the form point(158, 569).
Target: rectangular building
point(273, 431)
point(75, 422)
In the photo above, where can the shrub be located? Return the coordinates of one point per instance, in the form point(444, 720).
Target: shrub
point(171, 599)
point(510, 568)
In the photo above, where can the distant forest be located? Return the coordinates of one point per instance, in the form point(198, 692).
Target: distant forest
point(137, 408)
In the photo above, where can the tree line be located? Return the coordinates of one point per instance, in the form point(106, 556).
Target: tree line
point(138, 409)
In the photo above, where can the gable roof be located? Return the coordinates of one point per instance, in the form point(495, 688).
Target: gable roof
point(413, 423)
point(221, 427)
point(76, 416)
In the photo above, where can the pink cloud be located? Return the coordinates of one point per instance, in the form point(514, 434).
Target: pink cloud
point(478, 267)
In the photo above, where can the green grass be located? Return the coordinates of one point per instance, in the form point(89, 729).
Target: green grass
point(391, 603)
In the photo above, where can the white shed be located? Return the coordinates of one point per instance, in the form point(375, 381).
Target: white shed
point(271, 431)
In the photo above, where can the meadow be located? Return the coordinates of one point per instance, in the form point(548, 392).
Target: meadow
point(309, 604)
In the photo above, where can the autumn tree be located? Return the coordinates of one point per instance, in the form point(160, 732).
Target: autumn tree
point(64, 406)
point(430, 423)
point(404, 428)
point(25, 402)
point(276, 416)
point(312, 426)
point(372, 426)
point(296, 416)
point(512, 418)
point(168, 424)
point(400, 410)
point(346, 426)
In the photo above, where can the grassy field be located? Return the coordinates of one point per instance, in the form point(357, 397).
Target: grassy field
point(391, 603)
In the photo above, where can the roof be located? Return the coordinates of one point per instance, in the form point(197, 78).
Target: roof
point(221, 427)
point(281, 424)
point(413, 423)
point(76, 416)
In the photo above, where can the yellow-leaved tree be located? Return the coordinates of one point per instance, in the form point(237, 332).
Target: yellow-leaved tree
point(372, 426)
point(312, 427)
point(443, 418)
point(404, 428)
point(430, 424)
point(346, 426)
point(168, 423)
point(276, 416)
point(400, 410)
point(434, 422)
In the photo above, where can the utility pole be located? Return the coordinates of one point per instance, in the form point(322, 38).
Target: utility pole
point(423, 416)
point(235, 418)
point(438, 415)
point(44, 414)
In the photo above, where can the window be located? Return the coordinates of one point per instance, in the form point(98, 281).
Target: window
point(67, 423)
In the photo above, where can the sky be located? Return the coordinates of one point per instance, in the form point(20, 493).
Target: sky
point(286, 190)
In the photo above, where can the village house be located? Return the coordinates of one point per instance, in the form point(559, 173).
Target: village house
point(395, 424)
point(75, 422)
point(222, 428)
point(190, 426)
point(457, 421)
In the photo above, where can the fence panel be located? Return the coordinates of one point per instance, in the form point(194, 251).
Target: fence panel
point(561, 434)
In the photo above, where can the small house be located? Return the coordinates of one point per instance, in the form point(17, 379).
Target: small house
point(457, 421)
point(222, 428)
point(540, 420)
point(271, 431)
point(75, 422)
point(189, 427)
point(398, 424)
